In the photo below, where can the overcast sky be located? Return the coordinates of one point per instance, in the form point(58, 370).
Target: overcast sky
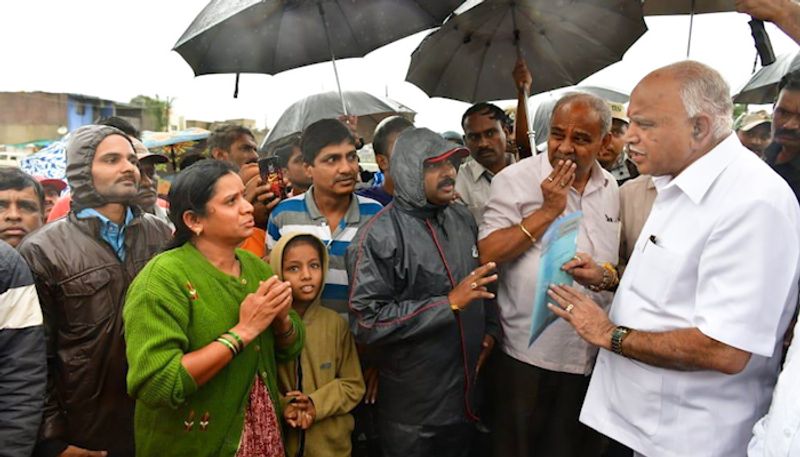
point(117, 50)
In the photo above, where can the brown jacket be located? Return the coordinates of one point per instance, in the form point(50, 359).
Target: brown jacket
point(82, 285)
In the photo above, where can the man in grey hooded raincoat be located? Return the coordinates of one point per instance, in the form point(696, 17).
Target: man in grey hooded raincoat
point(417, 299)
point(82, 265)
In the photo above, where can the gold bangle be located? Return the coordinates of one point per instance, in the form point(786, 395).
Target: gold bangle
point(527, 233)
point(614, 274)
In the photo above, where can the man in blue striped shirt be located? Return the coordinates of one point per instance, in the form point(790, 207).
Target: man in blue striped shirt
point(329, 209)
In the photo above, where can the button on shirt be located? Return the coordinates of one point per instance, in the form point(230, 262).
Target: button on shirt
point(778, 433)
point(515, 194)
point(112, 233)
point(719, 252)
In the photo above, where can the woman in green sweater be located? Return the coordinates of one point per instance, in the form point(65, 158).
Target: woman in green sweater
point(204, 324)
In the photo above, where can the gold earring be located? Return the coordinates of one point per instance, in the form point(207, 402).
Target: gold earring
point(198, 231)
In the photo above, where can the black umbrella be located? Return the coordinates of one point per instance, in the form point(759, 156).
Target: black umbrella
point(271, 36)
point(471, 56)
point(763, 85)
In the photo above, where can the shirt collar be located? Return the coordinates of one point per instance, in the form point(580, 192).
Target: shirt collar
point(91, 212)
point(353, 215)
point(476, 170)
point(697, 178)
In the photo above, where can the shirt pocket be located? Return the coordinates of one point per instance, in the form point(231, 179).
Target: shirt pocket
point(87, 298)
point(636, 393)
point(656, 270)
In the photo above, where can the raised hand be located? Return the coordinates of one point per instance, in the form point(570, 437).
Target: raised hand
point(555, 187)
point(473, 287)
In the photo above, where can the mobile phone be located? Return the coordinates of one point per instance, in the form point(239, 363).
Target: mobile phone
point(272, 175)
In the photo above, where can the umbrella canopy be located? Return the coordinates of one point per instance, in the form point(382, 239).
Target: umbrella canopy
point(160, 139)
point(763, 85)
point(270, 36)
point(665, 7)
point(471, 56)
point(369, 109)
point(50, 162)
point(690, 7)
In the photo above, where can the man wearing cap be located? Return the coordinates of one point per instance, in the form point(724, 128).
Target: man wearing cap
point(147, 198)
point(548, 379)
point(754, 131)
point(613, 157)
point(52, 192)
point(417, 296)
point(82, 266)
point(21, 203)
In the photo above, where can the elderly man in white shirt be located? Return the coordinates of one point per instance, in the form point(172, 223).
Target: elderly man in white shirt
point(546, 382)
point(691, 348)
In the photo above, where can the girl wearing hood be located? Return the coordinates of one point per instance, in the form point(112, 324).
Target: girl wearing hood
point(326, 384)
point(204, 325)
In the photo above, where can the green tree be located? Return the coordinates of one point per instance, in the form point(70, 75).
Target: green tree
point(738, 109)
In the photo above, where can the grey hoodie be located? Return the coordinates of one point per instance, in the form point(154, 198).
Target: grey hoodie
point(80, 154)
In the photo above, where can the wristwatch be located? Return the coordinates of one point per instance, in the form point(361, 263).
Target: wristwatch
point(617, 337)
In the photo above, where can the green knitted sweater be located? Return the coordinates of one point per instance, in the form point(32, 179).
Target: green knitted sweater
point(177, 304)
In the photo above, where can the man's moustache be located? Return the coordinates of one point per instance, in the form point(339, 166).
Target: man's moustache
point(446, 182)
point(127, 177)
point(792, 133)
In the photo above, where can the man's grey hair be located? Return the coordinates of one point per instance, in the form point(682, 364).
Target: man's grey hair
point(597, 104)
point(704, 91)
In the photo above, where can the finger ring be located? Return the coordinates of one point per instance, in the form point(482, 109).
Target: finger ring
point(577, 257)
point(473, 285)
point(569, 308)
point(563, 184)
point(550, 178)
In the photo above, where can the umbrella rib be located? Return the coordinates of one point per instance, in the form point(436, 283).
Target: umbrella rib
point(280, 26)
point(549, 48)
point(350, 27)
point(447, 64)
point(483, 58)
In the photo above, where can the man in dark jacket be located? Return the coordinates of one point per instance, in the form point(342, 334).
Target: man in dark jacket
point(82, 266)
point(23, 370)
point(416, 297)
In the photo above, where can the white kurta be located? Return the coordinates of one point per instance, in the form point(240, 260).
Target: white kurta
point(720, 252)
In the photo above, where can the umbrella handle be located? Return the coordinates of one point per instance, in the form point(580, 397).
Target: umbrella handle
point(528, 118)
point(333, 56)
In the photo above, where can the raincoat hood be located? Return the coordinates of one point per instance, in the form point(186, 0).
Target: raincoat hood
point(80, 153)
point(413, 147)
point(276, 260)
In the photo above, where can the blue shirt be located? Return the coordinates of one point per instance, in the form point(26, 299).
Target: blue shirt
point(112, 233)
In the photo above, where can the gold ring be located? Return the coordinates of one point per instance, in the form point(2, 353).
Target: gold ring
point(550, 178)
point(577, 257)
point(473, 285)
point(563, 184)
point(569, 308)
